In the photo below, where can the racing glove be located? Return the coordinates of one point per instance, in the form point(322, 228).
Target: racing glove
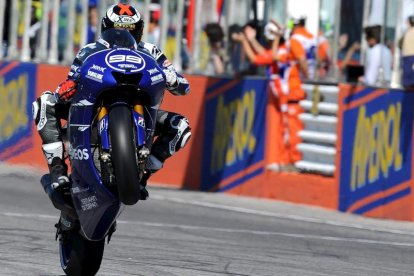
point(171, 78)
point(66, 90)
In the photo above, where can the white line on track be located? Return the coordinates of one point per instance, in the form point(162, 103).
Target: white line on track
point(261, 213)
point(21, 215)
point(229, 230)
point(282, 216)
point(268, 233)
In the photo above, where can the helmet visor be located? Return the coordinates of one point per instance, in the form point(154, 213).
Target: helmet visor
point(119, 38)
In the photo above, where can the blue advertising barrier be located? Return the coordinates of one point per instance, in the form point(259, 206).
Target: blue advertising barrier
point(376, 154)
point(235, 120)
point(17, 91)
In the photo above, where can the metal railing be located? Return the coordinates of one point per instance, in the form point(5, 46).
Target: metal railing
point(62, 27)
point(47, 40)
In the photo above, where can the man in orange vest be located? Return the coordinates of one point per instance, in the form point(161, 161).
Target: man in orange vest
point(275, 56)
point(301, 48)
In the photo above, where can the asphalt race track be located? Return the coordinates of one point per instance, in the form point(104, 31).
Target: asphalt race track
point(189, 233)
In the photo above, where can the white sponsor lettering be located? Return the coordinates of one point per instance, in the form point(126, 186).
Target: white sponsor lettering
point(103, 42)
point(153, 71)
point(94, 76)
point(117, 58)
point(78, 154)
point(122, 62)
point(77, 190)
point(89, 203)
point(123, 58)
point(156, 79)
point(98, 68)
point(141, 122)
point(134, 59)
point(102, 125)
point(81, 54)
point(83, 128)
point(80, 127)
point(173, 143)
point(127, 19)
point(127, 66)
point(83, 103)
point(43, 119)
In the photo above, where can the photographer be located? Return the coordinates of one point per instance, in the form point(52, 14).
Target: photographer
point(408, 55)
point(215, 35)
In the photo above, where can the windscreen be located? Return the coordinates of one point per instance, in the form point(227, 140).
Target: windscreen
point(119, 38)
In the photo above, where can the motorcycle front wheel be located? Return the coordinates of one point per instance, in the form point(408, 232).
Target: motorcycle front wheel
point(79, 256)
point(123, 154)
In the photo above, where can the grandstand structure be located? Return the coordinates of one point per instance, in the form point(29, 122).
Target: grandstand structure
point(51, 31)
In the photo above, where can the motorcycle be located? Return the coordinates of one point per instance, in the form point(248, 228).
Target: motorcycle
point(110, 131)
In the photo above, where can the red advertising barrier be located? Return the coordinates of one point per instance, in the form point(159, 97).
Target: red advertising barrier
point(184, 168)
point(47, 78)
point(234, 125)
point(293, 187)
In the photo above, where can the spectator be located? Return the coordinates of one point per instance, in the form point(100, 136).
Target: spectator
point(350, 55)
point(323, 61)
point(348, 62)
point(236, 59)
point(185, 55)
point(247, 67)
point(63, 22)
point(5, 39)
point(408, 55)
point(215, 35)
point(154, 31)
point(302, 48)
point(274, 55)
point(93, 22)
point(35, 25)
point(378, 58)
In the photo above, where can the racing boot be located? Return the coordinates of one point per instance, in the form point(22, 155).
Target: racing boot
point(57, 187)
point(59, 174)
point(57, 184)
point(57, 166)
point(152, 166)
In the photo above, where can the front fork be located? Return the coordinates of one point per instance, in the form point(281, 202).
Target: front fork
point(139, 124)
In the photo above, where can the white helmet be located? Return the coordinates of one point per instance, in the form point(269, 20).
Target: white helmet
point(298, 19)
point(270, 30)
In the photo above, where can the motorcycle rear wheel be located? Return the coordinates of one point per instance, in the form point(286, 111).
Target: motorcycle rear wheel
point(79, 256)
point(123, 154)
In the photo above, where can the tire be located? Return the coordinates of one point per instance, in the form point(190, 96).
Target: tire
point(79, 256)
point(124, 157)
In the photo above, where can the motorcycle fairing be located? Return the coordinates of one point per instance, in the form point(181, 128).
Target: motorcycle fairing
point(96, 207)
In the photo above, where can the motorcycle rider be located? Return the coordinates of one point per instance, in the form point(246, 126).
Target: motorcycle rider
point(173, 129)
